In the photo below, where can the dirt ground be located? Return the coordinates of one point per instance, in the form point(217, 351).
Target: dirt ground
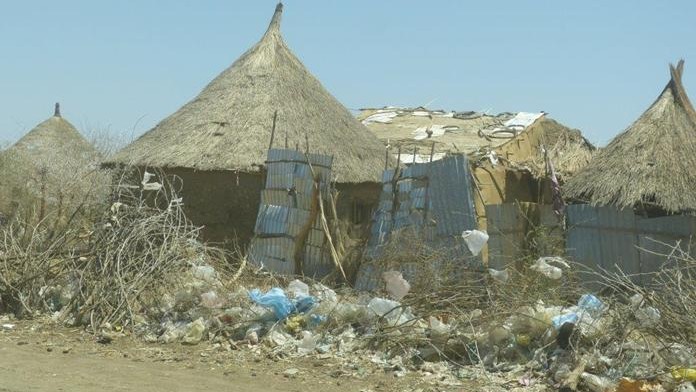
point(37, 356)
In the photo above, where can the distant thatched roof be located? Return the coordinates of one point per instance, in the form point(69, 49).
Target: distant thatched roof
point(228, 125)
point(53, 141)
point(652, 163)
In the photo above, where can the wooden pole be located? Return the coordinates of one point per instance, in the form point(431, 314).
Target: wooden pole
point(432, 152)
point(286, 138)
point(275, 117)
point(415, 150)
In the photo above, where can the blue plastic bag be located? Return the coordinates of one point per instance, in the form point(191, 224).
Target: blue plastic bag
point(590, 304)
point(276, 300)
point(304, 304)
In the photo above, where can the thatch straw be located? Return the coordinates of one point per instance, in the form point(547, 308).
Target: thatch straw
point(228, 125)
point(53, 141)
point(650, 164)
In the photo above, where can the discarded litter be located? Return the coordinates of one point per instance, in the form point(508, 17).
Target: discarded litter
point(499, 276)
point(298, 289)
point(396, 285)
point(194, 332)
point(684, 374)
point(543, 266)
point(276, 300)
point(475, 240)
point(590, 303)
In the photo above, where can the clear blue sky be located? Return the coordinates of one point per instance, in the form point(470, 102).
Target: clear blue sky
point(122, 66)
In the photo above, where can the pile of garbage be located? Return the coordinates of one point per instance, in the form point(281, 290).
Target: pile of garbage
point(596, 344)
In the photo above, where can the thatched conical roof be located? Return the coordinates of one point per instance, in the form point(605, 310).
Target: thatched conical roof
point(650, 164)
point(228, 125)
point(53, 140)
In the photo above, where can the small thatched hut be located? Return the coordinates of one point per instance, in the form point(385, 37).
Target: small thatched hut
point(217, 143)
point(53, 140)
point(651, 166)
point(46, 168)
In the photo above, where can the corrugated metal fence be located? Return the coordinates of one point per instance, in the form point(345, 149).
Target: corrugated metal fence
point(609, 238)
point(285, 214)
point(428, 202)
point(515, 228)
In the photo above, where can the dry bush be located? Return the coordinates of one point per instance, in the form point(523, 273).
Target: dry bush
point(671, 290)
point(137, 249)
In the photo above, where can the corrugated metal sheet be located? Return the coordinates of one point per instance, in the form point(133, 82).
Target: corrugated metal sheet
point(509, 226)
point(285, 212)
point(435, 201)
point(617, 239)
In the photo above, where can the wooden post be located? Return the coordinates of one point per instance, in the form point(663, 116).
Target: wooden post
point(432, 152)
point(386, 158)
point(275, 117)
point(415, 150)
point(398, 157)
point(286, 138)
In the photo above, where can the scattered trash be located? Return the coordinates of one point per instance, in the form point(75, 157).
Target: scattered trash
point(559, 320)
point(291, 373)
point(685, 387)
point(590, 303)
point(8, 326)
point(499, 276)
point(543, 267)
point(475, 240)
point(684, 374)
point(392, 311)
point(194, 332)
point(276, 300)
point(396, 285)
point(596, 383)
point(298, 289)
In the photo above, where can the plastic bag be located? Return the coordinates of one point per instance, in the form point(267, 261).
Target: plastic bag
point(590, 304)
point(298, 289)
point(194, 332)
point(397, 286)
point(543, 267)
point(276, 300)
point(499, 276)
point(475, 240)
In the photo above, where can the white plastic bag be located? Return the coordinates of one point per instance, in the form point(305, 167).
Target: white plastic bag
point(475, 240)
point(397, 286)
point(543, 267)
point(499, 276)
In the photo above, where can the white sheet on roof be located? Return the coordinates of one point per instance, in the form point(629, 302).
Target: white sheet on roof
point(408, 158)
point(380, 117)
point(522, 120)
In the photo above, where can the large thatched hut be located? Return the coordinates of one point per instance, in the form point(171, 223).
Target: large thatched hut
point(46, 169)
point(217, 143)
point(651, 166)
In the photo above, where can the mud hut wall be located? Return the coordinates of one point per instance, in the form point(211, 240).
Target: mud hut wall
point(496, 185)
point(225, 203)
